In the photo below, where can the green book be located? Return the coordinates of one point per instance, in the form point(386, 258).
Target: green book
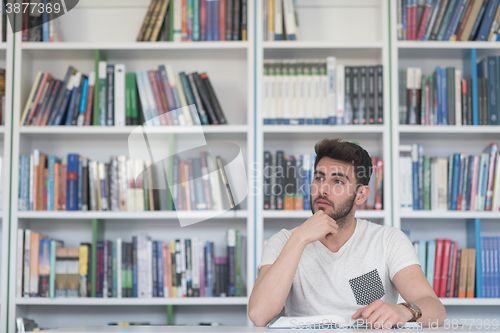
point(131, 86)
point(171, 21)
point(196, 20)
point(103, 84)
point(450, 94)
point(54, 245)
point(128, 100)
point(97, 235)
point(446, 20)
point(427, 182)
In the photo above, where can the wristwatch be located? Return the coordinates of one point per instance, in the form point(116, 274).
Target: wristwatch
point(414, 309)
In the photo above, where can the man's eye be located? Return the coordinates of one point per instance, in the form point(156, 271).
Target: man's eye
point(319, 178)
point(338, 181)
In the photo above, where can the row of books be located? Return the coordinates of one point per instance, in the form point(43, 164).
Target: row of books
point(39, 21)
point(448, 20)
point(457, 183)
point(450, 271)
point(153, 97)
point(280, 20)
point(75, 183)
point(194, 20)
point(288, 179)
point(142, 268)
point(322, 92)
point(445, 98)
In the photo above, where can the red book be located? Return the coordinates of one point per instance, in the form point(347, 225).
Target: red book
point(423, 22)
point(184, 28)
point(414, 21)
point(90, 98)
point(203, 20)
point(222, 19)
point(438, 266)
point(63, 186)
point(156, 93)
point(444, 267)
point(453, 269)
point(163, 99)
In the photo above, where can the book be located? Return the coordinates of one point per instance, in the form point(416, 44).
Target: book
point(324, 322)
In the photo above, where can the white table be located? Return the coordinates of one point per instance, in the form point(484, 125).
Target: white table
point(236, 329)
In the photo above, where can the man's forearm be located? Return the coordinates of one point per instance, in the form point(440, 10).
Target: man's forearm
point(270, 292)
point(433, 311)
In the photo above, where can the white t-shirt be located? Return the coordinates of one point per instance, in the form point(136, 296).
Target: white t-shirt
point(361, 272)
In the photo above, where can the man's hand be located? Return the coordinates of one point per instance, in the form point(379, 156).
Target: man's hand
point(381, 314)
point(316, 227)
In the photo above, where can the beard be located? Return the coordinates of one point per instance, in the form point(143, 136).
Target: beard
point(339, 214)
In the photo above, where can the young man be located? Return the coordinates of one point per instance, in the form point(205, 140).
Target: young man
point(339, 265)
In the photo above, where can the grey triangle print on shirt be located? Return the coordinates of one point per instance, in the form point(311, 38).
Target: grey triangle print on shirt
point(367, 287)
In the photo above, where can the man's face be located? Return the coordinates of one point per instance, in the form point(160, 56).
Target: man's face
point(333, 189)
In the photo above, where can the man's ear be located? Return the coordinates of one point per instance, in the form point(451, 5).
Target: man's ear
point(363, 193)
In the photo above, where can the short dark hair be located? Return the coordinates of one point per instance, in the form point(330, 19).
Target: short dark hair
point(347, 152)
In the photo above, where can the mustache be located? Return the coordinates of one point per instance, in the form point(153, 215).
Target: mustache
point(323, 198)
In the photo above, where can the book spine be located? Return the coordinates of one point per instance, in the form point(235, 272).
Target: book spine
point(102, 93)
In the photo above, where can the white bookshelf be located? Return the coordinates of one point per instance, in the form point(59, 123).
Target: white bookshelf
point(441, 141)
point(356, 32)
point(6, 61)
point(111, 26)
point(320, 37)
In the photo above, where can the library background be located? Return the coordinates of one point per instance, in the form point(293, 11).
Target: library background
point(88, 235)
